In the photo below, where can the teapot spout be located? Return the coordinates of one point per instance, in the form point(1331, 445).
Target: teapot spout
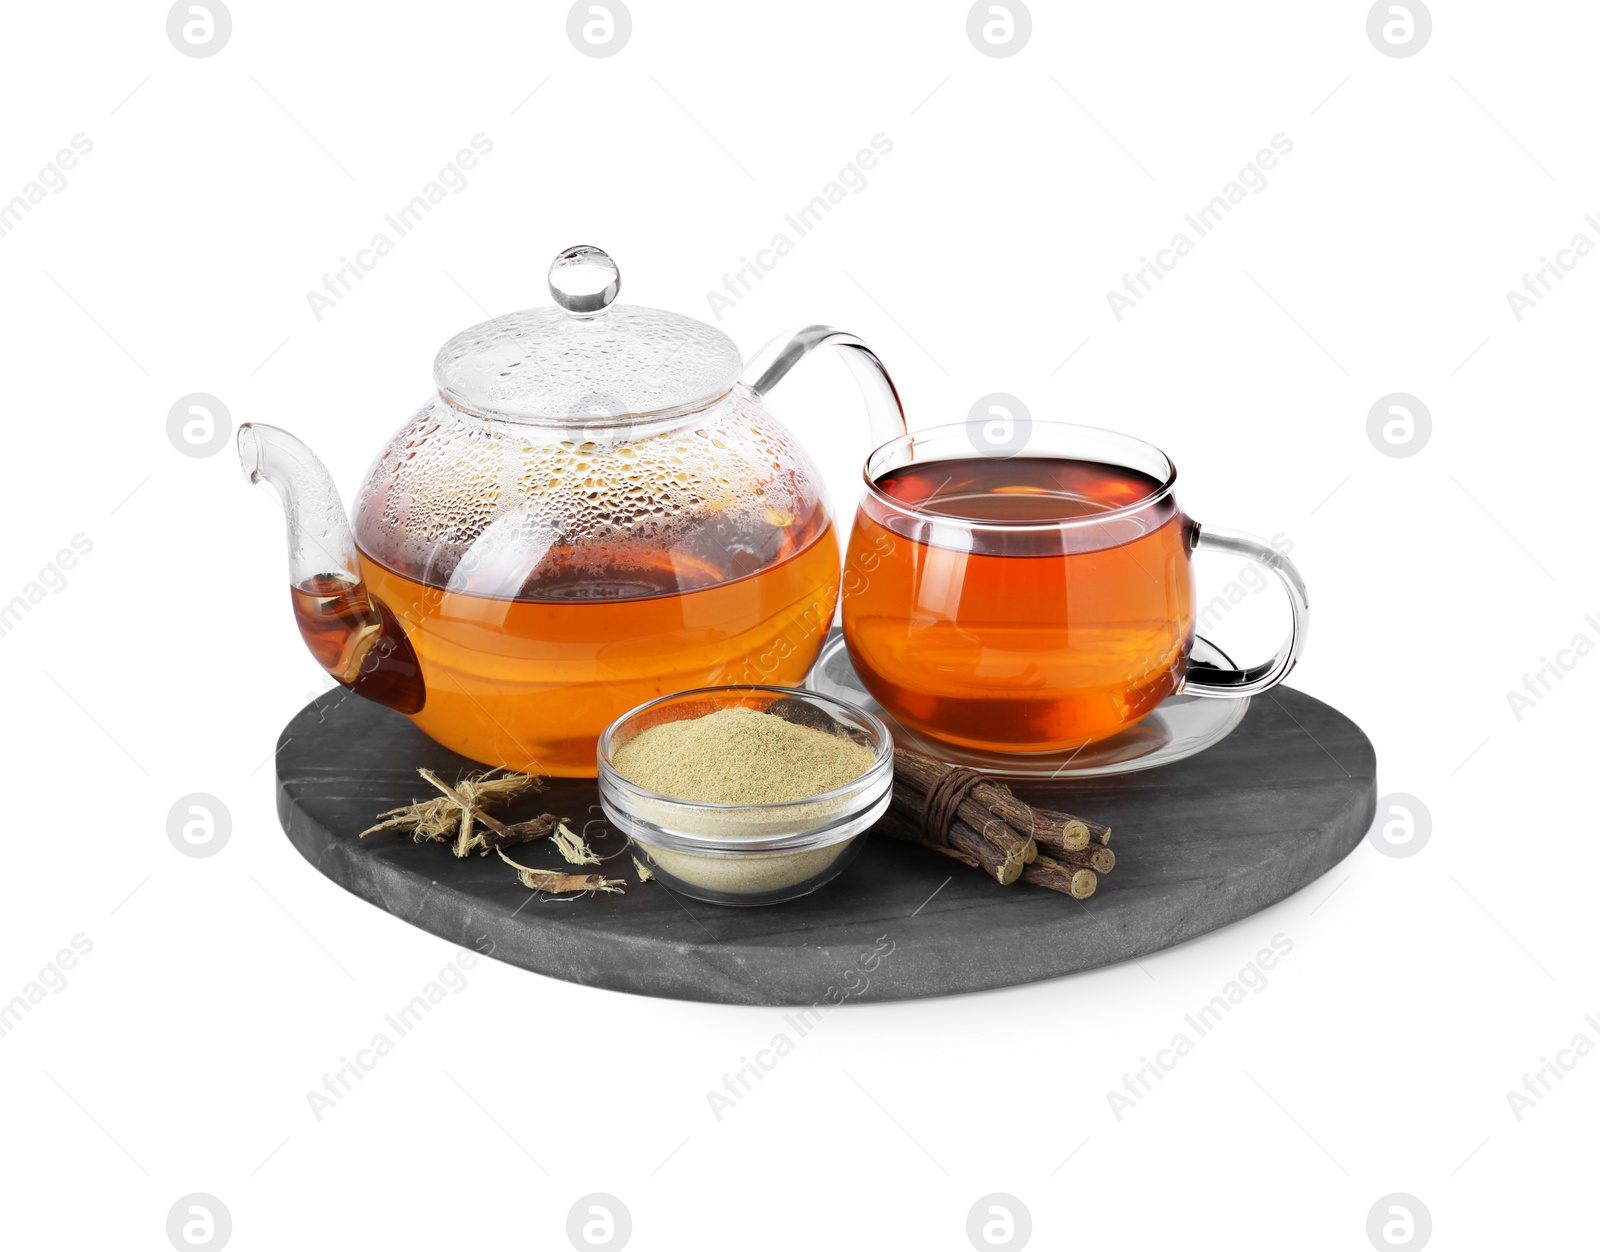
point(320, 542)
point(352, 634)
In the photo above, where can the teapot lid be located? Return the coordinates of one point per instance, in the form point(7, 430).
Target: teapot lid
point(585, 358)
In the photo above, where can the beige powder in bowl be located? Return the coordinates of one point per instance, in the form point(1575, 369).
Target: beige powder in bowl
point(741, 756)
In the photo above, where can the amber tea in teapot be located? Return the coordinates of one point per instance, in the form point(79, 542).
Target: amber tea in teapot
point(595, 510)
point(538, 676)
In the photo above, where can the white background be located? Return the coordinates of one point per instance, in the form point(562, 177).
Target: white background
point(219, 991)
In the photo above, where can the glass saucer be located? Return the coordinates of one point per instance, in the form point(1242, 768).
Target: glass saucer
point(1180, 727)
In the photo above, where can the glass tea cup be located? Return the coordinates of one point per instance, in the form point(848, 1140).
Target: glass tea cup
point(1036, 601)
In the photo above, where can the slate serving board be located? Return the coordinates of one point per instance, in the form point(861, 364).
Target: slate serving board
point(1200, 843)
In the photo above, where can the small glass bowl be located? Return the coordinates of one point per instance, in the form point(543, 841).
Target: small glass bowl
point(745, 854)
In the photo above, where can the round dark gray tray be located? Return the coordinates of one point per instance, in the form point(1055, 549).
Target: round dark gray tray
point(1200, 843)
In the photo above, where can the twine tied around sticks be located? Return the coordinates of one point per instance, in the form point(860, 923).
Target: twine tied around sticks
point(942, 801)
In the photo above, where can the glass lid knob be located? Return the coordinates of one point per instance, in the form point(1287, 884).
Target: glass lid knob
point(584, 280)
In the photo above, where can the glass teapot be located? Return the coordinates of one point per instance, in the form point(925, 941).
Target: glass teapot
point(595, 509)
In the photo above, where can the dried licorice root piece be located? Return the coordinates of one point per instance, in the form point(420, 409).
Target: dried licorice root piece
point(544, 880)
point(443, 816)
point(492, 840)
point(1076, 881)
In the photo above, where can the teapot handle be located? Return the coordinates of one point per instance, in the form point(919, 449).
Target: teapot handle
point(885, 416)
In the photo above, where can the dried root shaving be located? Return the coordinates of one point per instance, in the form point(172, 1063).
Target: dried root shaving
point(540, 827)
point(572, 847)
point(543, 880)
point(457, 815)
point(454, 814)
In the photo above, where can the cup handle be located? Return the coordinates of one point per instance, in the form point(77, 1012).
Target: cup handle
point(1211, 680)
point(884, 412)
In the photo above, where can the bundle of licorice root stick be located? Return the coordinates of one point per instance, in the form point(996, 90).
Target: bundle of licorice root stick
point(967, 817)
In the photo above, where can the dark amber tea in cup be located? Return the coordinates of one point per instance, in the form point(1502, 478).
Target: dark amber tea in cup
point(1029, 604)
